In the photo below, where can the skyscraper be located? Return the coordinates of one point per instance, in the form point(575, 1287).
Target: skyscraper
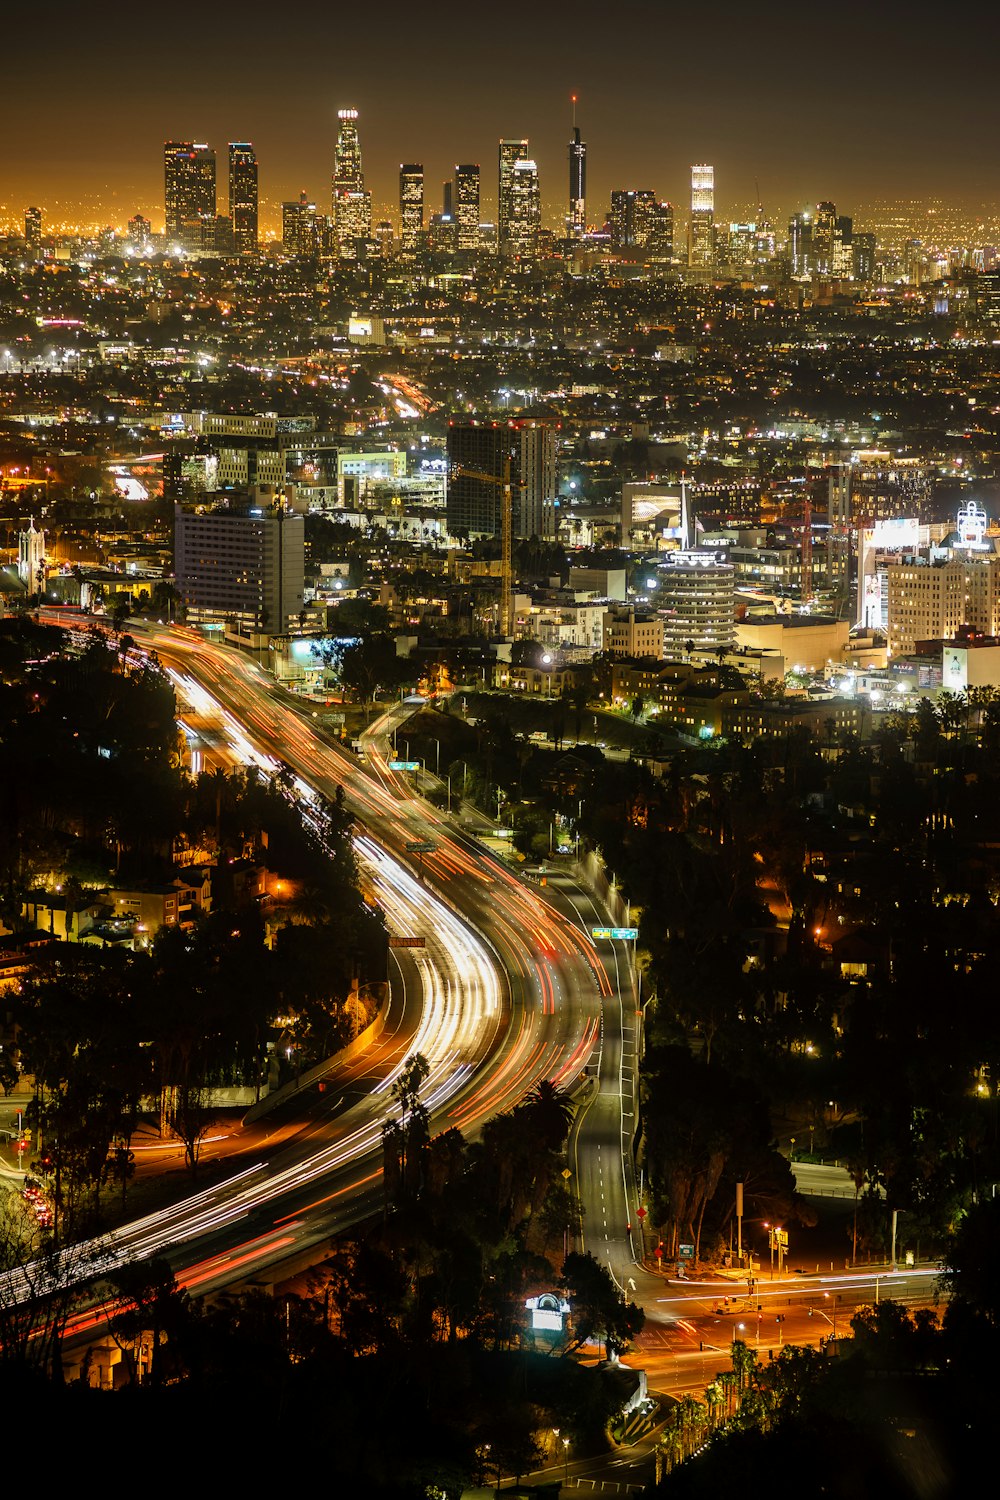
point(535, 496)
point(467, 205)
point(511, 152)
point(33, 229)
point(352, 205)
point(824, 228)
point(701, 228)
point(243, 196)
point(525, 210)
point(411, 206)
point(189, 185)
point(299, 227)
point(576, 221)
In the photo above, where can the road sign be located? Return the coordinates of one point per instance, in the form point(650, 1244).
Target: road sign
point(404, 765)
point(685, 1252)
point(614, 934)
point(642, 1213)
point(407, 942)
point(421, 848)
point(336, 718)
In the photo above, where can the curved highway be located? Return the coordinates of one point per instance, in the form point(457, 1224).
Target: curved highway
point(511, 991)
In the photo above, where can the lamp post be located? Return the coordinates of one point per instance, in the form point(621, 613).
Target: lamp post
point(565, 1442)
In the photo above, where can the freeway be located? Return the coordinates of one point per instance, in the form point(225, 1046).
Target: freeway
point(511, 990)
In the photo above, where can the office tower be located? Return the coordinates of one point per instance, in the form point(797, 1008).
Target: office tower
point(352, 205)
point(140, 232)
point(299, 227)
point(411, 206)
point(660, 232)
point(525, 211)
point(384, 239)
point(33, 229)
point(697, 598)
point(701, 228)
point(467, 205)
point(474, 505)
point(243, 196)
point(535, 496)
point(511, 152)
point(863, 256)
point(632, 217)
point(576, 221)
point(243, 564)
point(189, 185)
point(824, 226)
point(800, 253)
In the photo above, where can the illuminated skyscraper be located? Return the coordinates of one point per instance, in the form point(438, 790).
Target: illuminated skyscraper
point(511, 152)
point(411, 206)
point(525, 210)
point(800, 230)
point(140, 232)
point(243, 196)
point(467, 205)
point(701, 227)
point(300, 227)
point(33, 229)
point(577, 218)
point(189, 185)
point(352, 206)
point(535, 496)
point(824, 230)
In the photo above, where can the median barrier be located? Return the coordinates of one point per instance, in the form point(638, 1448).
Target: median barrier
point(319, 1070)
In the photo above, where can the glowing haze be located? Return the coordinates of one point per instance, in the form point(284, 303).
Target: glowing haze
point(844, 102)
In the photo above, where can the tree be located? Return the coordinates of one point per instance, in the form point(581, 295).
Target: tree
point(599, 1309)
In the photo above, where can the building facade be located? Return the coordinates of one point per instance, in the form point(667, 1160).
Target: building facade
point(243, 565)
point(188, 187)
point(243, 197)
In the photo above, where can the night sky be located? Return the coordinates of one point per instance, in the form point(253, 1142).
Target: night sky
point(845, 101)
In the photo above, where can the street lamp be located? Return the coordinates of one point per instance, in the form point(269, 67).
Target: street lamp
point(566, 1461)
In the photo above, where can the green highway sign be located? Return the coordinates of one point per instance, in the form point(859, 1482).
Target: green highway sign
point(614, 934)
point(404, 765)
point(421, 847)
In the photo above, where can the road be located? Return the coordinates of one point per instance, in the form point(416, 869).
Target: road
point(512, 991)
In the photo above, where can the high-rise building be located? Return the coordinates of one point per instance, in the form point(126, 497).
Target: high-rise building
point(823, 234)
point(474, 504)
point(863, 256)
point(511, 152)
point(525, 211)
point(701, 226)
point(411, 206)
point(697, 598)
point(352, 205)
point(140, 232)
point(241, 563)
point(576, 220)
point(189, 186)
point(535, 496)
point(299, 227)
point(467, 205)
point(33, 229)
point(243, 196)
point(800, 252)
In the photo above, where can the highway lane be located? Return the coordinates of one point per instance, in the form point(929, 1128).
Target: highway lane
point(511, 989)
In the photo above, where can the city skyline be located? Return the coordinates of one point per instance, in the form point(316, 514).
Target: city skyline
point(805, 112)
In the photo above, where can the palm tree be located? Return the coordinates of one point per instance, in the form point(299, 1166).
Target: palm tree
point(551, 1112)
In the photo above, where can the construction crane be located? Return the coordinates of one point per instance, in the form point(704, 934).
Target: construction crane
point(506, 524)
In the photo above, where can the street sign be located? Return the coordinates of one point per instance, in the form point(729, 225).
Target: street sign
point(404, 765)
point(421, 848)
point(614, 934)
point(407, 942)
point(336, 718)
point(685, 1252)
point(642, 1213)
